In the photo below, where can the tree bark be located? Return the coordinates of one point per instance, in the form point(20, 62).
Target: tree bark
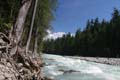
point(31, 28)
point(17, 29)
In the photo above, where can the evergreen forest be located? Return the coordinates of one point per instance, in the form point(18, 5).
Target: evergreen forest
point(100, 38)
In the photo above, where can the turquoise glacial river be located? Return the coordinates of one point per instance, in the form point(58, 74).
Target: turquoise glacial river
point(66, 68)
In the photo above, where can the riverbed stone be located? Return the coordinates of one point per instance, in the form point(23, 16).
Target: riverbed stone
point(9, 65)
point(6, 73)
point(2, 77)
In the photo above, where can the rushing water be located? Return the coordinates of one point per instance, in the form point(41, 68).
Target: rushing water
point(65, 68)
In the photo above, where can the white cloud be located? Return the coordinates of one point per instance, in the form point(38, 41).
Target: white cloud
point(54, 35)
point(48, 31)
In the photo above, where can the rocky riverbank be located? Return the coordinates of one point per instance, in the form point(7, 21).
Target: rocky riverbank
point(21, 65)
point(7, 72)
point(110, 61)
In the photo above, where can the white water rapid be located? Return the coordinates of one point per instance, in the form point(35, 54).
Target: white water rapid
point(66, 68)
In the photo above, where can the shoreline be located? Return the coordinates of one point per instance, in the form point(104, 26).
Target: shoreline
point(109, 61)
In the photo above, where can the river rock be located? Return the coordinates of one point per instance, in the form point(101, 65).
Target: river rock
point(6, 73)
point(46, 78)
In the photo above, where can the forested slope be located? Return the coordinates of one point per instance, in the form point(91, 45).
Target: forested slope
point(98, 39)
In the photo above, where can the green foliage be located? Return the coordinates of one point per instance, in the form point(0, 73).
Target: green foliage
point(8, 12)
point(44, 16)
point(97, 39)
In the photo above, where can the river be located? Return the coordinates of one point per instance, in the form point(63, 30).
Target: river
point(67, 68)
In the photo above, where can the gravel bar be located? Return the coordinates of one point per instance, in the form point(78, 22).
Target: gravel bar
point(110, 61)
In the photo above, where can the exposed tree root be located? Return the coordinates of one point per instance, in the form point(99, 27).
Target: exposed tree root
point(27, 67)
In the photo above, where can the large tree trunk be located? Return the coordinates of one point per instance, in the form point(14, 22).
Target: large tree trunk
point(24, 66)
point(31, 28)
point(16, 31)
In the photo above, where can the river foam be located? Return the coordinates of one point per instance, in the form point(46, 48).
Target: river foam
point(66, 68)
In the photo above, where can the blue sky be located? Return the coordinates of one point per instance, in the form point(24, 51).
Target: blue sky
point(73, 14)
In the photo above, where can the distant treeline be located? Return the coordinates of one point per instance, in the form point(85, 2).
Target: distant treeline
point(98, 39)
